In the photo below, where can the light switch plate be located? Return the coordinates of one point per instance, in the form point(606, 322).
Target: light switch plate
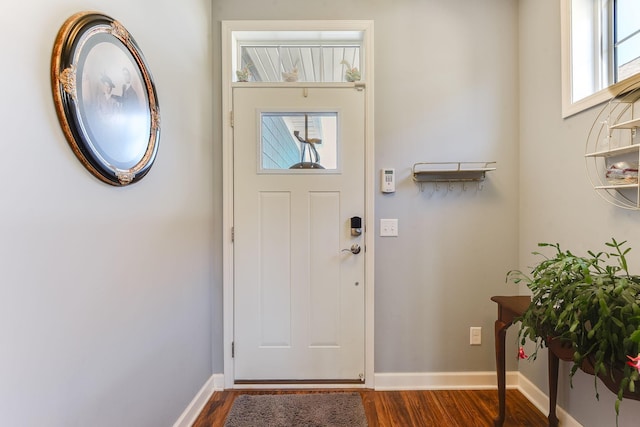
point(389, 227)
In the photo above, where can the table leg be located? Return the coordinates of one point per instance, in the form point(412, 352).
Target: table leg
point(500, 335)
point(554, 362)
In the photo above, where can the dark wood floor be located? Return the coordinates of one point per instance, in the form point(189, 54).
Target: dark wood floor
point(441, 408)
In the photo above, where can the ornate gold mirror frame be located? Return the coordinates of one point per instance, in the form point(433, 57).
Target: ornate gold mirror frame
point(105, 98)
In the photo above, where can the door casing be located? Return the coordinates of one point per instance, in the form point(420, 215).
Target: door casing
point(228, 31)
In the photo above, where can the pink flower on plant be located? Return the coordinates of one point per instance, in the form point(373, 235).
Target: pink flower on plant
point(634, 362)
point(522, 354)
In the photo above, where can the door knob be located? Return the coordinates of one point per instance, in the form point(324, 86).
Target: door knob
point(354, 249)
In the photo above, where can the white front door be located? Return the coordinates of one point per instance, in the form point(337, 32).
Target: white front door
point(299, 291)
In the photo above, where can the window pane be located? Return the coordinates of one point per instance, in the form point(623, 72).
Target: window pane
point(585, 60)
point(628, 57)
point(299, 62)
point(627, 38)
point(298, 141)
point(627, 13)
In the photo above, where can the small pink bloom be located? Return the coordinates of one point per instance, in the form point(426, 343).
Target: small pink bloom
point(522, 355)
point(634, 362)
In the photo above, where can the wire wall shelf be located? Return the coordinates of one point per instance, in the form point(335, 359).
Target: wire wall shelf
point(450, 173)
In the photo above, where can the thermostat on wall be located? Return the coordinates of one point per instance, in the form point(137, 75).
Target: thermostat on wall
point(388, 180)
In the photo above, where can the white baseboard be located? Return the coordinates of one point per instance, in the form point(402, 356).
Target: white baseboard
point(541, 401)
point(190, 414)
point(442, 381)
point(471, 381)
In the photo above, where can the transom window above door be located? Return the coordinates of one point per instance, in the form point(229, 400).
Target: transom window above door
point(299, 56)
point(301, 62)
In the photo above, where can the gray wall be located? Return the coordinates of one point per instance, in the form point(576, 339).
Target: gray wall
point(446, 89)
point(105, 293)
point(557, 202)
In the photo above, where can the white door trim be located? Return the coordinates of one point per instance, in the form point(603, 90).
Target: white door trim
point(227, 49)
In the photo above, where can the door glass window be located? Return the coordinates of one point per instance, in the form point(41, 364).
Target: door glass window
point(294, 142)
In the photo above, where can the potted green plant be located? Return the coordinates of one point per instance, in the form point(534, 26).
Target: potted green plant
point(590, 306)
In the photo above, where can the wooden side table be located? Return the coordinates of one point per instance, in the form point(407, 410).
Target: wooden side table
point(512, 307)
point(509, 308)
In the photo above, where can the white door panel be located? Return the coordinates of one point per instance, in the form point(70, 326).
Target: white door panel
point(298, 298)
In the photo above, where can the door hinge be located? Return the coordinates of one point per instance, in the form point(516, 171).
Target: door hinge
point(233, 234)
point(231, 118)
point(233, 349)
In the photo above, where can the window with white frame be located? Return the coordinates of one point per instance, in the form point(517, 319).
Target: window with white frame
point(601, 50)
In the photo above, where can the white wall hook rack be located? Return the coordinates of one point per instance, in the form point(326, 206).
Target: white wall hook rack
point(451, 173)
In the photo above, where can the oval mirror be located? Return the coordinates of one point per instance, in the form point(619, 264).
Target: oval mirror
point(105, 98)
